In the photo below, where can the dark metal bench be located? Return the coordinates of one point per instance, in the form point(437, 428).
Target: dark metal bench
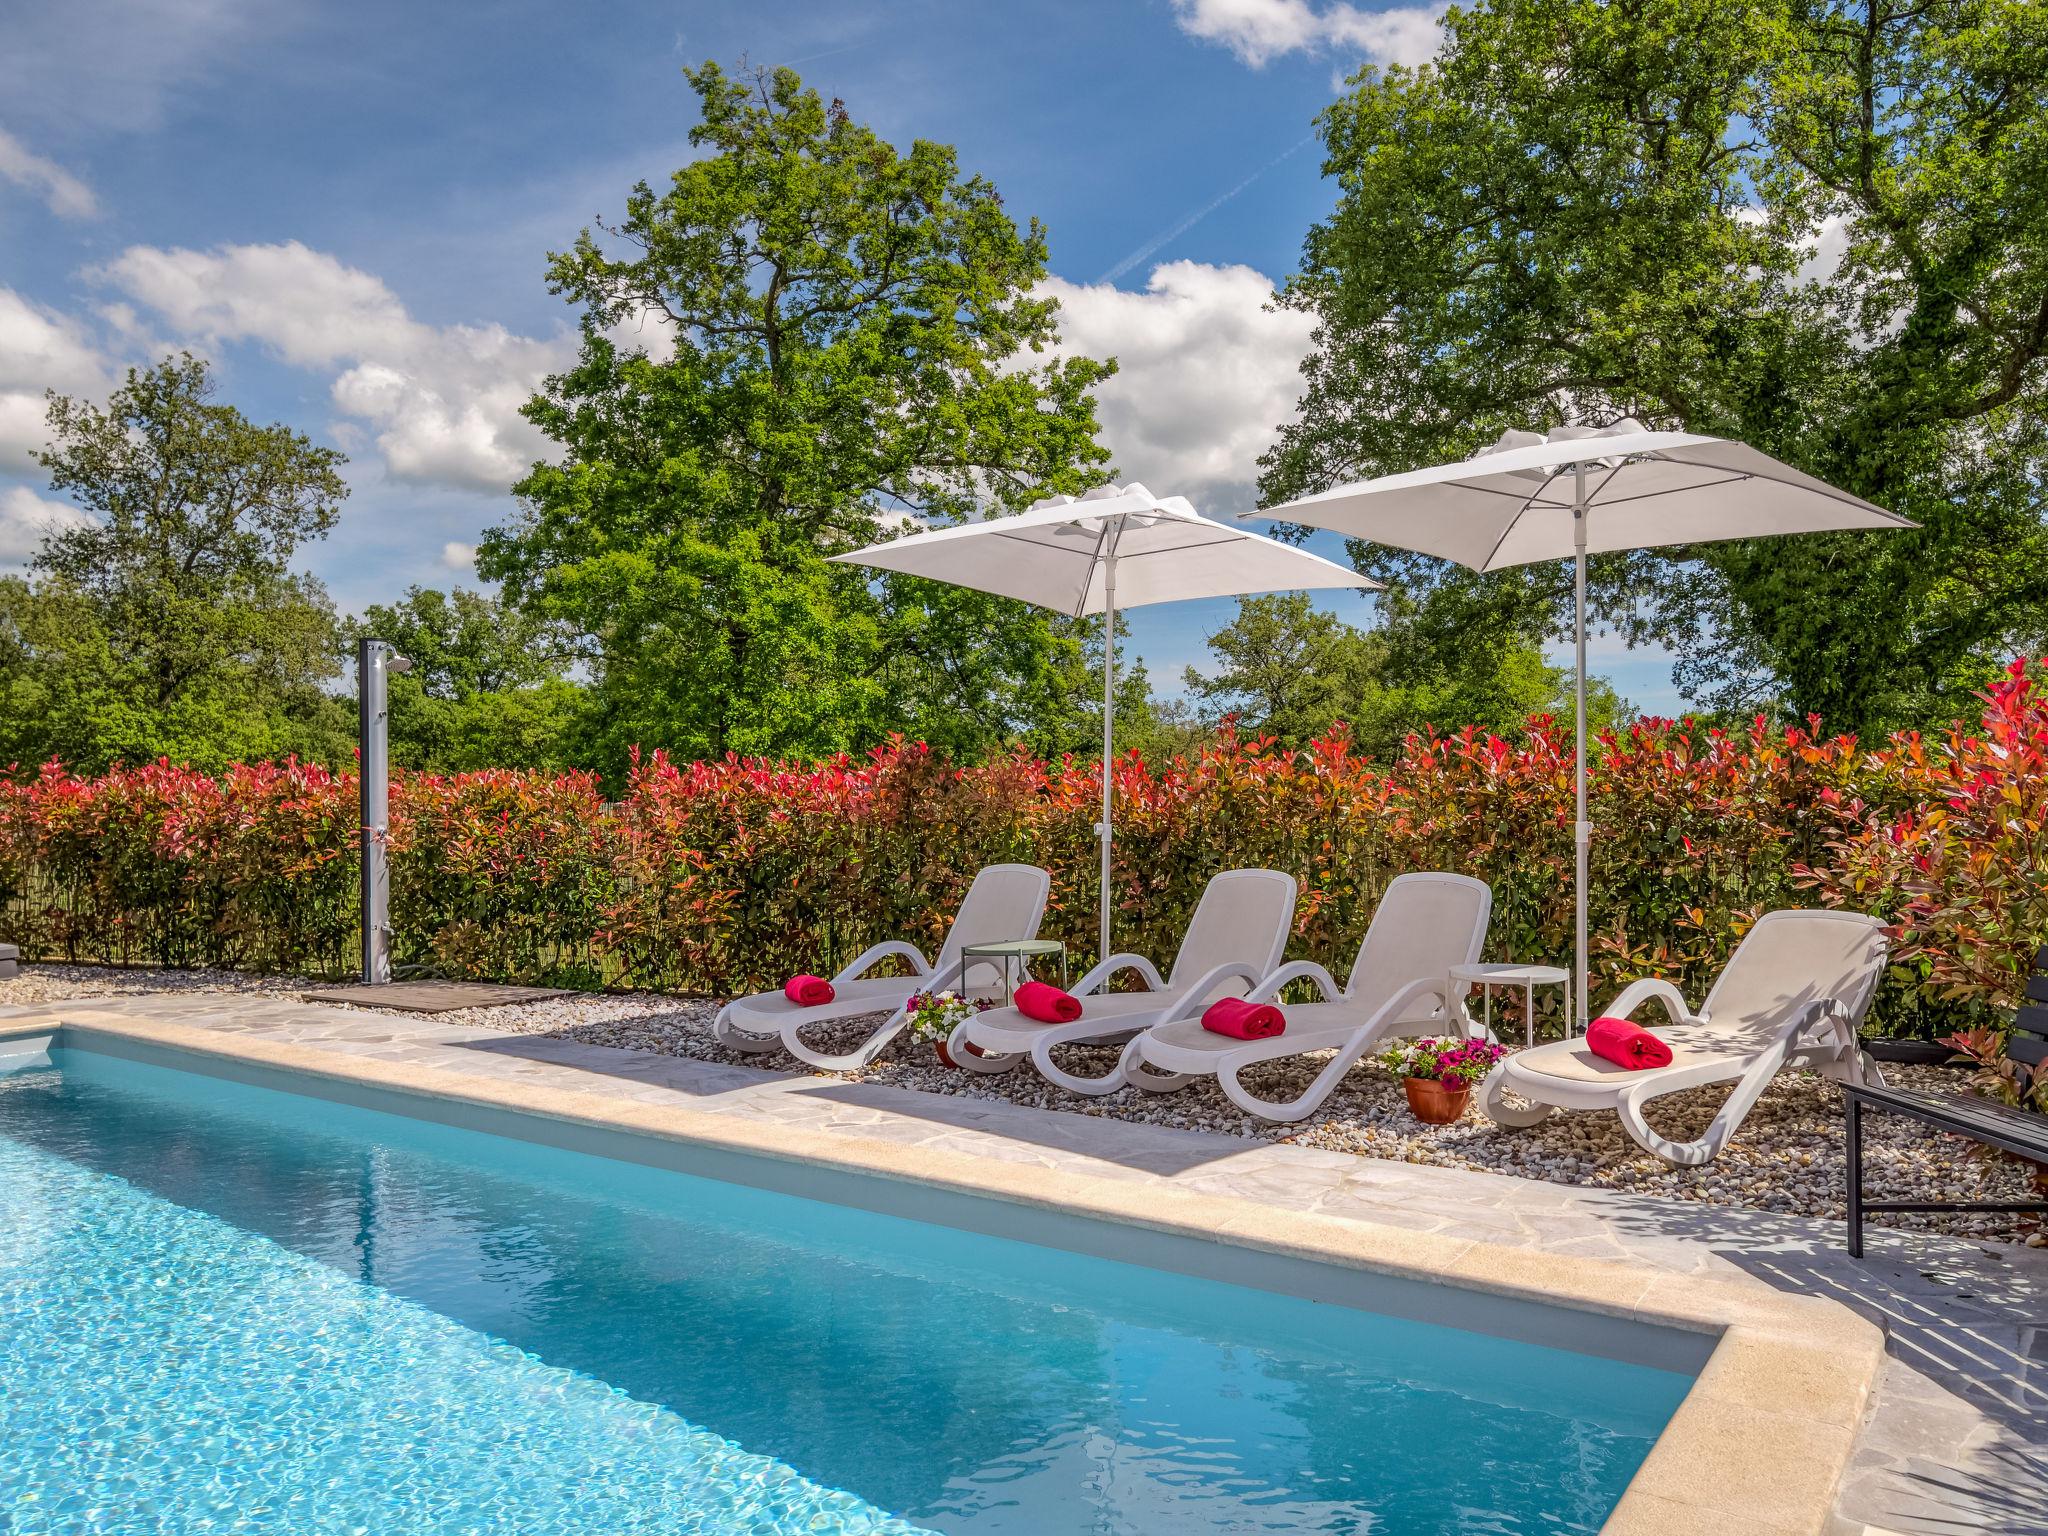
point(2019, 1131)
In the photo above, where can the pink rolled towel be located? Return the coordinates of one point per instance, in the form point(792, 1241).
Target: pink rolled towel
point(1626, 1044)
point(808, 991)
point(1046, 1003)
point(1240, 1020)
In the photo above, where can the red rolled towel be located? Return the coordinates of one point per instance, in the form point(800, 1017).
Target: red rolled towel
point(1626, 1045)
point(807, 991)
point(1046, 1003)
point(1240, 1020)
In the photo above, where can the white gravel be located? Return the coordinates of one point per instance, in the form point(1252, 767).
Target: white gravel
point(1787, 1157)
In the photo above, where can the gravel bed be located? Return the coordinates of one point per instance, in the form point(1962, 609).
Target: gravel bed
point(52, 983)
point(1787, 1158)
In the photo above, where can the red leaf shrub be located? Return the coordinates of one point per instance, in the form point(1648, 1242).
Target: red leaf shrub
point(253, 869)
point(1960, 870)
point(727, 875)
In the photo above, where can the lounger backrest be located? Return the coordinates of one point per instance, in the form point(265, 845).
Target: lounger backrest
point(1244, 917)
point(1790, 961)
point(1006, 901)
point(1425, 924)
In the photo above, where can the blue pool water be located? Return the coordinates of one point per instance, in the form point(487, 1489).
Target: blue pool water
point(224, 1309)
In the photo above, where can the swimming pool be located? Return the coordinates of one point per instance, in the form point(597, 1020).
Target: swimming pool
point(228, 1308)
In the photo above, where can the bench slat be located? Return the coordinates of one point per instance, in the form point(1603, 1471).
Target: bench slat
point(2026, 1051)
point(2028, 1019)
point(2037, 987)
point(2017, 1130)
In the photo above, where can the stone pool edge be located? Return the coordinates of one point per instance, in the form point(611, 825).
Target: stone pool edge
point(1762, 1438)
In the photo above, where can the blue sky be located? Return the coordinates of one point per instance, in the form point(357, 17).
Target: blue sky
point(348, 208)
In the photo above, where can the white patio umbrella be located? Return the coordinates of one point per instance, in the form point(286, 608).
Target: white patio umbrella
point(1117, 546)
point(1580, 491)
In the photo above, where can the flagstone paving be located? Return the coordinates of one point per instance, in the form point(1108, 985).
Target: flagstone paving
point(1956, 1438)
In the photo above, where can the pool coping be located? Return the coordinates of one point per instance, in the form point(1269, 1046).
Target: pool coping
point(1762, 1438)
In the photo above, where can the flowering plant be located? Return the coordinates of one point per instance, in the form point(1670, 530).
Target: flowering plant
point(1459, 1063)
point(935, 1015)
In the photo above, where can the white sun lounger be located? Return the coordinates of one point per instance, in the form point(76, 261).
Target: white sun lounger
point(1006, 901)
point(1399, 986)
point(1792, 995)
point(1236, 936)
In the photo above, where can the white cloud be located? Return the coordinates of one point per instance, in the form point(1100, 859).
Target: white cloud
point(1825, 249)
point(25, 520)
point(40, 349)
point(1825, 244)
point(63, 193)
point(1261, 30)
point(443, 401)
point(651, 331)
point(1206, 370)
point(459, 557)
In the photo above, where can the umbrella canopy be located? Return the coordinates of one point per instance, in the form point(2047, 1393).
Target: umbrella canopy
point(1580, 491)
point(1517, 502)
point(1117, 546)
point(1057, 554)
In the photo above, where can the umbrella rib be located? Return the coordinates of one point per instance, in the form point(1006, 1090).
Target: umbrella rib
point(1177, 549)
point(1704, 485)
point(1509, 527)
point(1556, 506)
point(1018, 538)
point(1818, 488)
point(1535, 498)
point(1094, 564)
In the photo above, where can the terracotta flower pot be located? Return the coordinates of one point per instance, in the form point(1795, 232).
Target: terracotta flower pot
point(946, 1057)
point(1435, 1103)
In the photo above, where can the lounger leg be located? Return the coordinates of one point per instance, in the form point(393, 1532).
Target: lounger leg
point(970, 1058)
point(1854, 1138)
point(1139, 1073)
point(1493, 1101)
point(1092, 1087)
point(734, 1039)
point(1692, 1154)
point(853, 1060)
point(1309, 1100)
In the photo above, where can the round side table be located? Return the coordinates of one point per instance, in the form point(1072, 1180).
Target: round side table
point(1020, 951)
point(1527, 977)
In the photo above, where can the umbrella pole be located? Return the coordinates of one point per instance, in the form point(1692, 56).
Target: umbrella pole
point(1102, 832)
point(1582, 829)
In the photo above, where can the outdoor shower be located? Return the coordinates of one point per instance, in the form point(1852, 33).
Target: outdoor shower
point(375, 661)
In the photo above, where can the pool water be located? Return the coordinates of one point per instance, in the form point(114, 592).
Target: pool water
point(227, 1309)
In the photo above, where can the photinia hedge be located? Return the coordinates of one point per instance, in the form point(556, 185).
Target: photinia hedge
point(723, 876)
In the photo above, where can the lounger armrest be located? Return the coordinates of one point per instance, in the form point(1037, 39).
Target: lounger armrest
point(876, 953)
point(1101, 976)
point(1197, 997)
point(1396, 1008)
point(1641, 991)
point(1828, 1010)
point(1296, 970)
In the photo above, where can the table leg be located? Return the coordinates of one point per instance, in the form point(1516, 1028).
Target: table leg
point(1854, 1137)
point(1529, 1016)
